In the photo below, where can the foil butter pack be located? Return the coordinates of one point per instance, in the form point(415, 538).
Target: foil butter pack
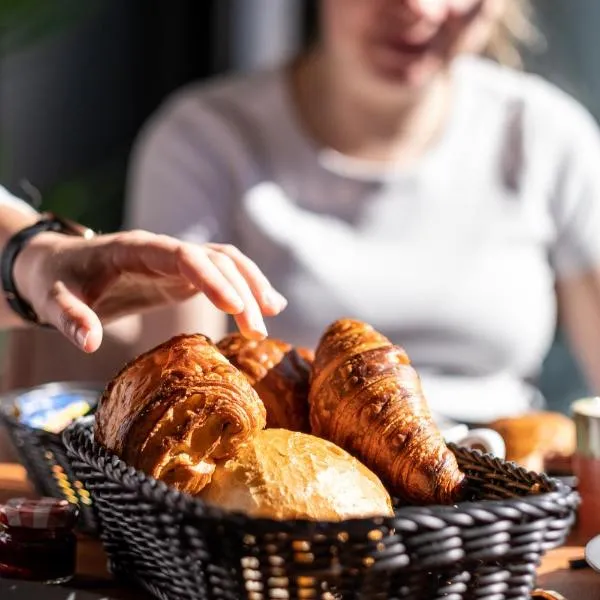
point(53, 409)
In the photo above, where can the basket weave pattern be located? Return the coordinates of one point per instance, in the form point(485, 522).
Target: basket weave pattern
point(49, 469)
point(178, 548)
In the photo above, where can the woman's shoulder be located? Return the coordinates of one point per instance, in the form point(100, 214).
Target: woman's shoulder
point(215, 119)
point(252, 95)
point(541, 103)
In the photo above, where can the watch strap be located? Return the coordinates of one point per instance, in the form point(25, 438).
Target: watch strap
point(48, 222)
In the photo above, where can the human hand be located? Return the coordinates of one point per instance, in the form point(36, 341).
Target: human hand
point(77, 285)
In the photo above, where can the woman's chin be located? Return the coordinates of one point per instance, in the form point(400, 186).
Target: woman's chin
point(411, 74)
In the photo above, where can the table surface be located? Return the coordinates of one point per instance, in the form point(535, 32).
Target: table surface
point(554, 573)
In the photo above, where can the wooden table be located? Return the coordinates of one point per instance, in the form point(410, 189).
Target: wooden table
point(554, 573)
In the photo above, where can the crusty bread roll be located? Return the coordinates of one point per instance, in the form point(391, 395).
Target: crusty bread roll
point(535, 439)
point(175, 410)
point(280, 375)
point(281, 474)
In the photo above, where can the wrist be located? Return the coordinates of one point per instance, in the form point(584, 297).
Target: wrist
point(30, 264)
point(29, 256)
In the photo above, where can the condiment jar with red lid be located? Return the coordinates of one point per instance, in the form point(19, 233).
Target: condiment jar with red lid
point(37, 540)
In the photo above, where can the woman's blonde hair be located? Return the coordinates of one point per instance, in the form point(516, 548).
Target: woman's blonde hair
point(514, 31)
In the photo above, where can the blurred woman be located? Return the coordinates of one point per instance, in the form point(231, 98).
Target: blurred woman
point(396, 173)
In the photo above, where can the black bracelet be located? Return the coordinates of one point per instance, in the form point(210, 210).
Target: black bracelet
point(13, 247)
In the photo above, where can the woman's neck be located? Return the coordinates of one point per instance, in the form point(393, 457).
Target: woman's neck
point(365, 123)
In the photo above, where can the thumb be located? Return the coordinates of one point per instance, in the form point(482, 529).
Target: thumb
point(73, 318)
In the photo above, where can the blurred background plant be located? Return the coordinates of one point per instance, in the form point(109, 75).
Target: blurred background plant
point(25, 22)
point(36, 44)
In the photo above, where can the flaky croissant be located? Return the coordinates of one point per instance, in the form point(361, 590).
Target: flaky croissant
point(280, 375)
point(366, 397)
point(176, 409)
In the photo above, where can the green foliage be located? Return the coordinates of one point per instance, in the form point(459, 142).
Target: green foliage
point(27, 22)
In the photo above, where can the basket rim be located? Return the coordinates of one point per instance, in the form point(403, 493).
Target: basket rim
point(80, 433)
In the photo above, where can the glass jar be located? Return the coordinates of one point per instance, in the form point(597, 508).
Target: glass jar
point(37, 541)
point(586, 464)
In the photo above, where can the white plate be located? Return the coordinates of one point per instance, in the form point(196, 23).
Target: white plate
point(592, 553)
point(449, 428)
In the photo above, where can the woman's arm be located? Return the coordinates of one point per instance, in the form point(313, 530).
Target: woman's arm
point(78, 284)
point(579, 305)
point(576, 251)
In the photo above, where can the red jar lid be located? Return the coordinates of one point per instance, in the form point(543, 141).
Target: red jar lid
point(43, 513)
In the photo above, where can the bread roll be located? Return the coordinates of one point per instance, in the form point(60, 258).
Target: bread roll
point(535, 439)
point(175, 410)
point(281, 474)
point(280, 375)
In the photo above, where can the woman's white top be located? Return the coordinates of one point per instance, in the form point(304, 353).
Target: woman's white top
point(9, 199)
point(454, 259)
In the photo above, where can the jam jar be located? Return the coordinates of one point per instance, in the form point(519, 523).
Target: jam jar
point(37, 540)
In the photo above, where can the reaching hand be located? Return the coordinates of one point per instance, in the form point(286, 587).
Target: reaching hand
point(76, 285)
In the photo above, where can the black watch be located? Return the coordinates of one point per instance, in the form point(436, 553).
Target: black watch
point(48, 222)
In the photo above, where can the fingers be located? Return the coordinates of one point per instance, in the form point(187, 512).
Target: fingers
point(270, 300)
point(195, 264)
point(230, 280)
point(72, 317)
point(163, 257)
point(250, 321)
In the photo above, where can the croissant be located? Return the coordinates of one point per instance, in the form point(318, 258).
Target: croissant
point(279, 374)
point(366, 397)
point(280, 474)
point(176, 409)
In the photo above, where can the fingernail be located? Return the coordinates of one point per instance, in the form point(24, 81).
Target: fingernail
point(275, 299)
point(259, 327)
point(81, 337)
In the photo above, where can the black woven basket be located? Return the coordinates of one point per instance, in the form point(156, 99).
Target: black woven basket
point(44, 456)
point(180, 549)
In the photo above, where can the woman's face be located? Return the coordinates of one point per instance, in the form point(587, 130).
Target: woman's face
point(405, 42)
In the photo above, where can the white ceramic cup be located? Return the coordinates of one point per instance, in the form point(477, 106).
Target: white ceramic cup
point(486, 440)
point(592, 553)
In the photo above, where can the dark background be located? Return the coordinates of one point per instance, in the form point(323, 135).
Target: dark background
point(79, 77)
point(76, 85)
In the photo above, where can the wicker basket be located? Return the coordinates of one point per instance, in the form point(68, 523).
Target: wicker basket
point(178, 548)
point(43, 454)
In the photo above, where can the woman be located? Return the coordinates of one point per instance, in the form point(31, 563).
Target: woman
point(393, 174)
point(60, 275)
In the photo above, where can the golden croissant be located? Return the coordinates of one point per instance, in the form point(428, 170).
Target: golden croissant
point(366, 397)
point(280, 375)
point(175, 410)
